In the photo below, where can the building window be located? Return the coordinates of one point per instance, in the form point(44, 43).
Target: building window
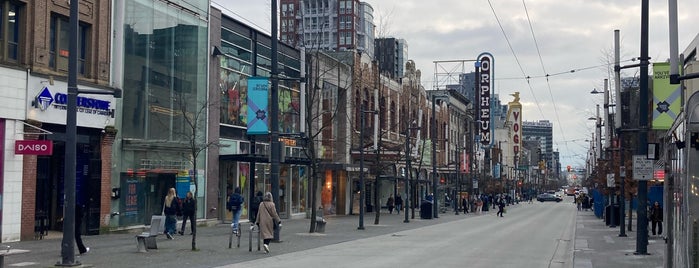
point(60, 41)
point(9, 30)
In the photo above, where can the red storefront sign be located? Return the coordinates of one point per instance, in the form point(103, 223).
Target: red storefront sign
point(34, 147)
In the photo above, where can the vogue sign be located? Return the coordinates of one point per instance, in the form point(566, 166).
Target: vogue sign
point(36, 147)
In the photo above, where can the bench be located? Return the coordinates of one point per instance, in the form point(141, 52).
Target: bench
point(8, 251)
point(146, 240)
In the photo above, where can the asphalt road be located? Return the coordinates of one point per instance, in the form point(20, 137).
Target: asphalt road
point(530, 235)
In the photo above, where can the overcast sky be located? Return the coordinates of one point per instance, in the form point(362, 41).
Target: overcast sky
point(571, 35)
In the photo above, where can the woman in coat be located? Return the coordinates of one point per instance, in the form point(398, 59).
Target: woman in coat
point(171, 206)
point(266, 217)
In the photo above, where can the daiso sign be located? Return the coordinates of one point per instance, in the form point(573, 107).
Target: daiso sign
point(34, 147)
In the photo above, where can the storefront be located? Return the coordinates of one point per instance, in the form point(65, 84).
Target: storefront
point(46, 110)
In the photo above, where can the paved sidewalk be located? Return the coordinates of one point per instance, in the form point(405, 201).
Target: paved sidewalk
point(119, 250)
point(599, 246)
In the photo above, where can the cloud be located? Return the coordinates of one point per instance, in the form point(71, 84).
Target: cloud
point(571, 35)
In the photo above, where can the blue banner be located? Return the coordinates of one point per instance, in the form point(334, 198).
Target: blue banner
point(258, 99)
point(496, 171)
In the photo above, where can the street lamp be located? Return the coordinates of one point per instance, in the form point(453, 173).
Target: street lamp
point(408, 173)
point(362, 192)
point(435, 204)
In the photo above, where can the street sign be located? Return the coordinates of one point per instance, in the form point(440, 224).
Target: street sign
point(610, 180)
point(642, 168)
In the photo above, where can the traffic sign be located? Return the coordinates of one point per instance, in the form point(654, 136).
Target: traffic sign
point(642, 168)
point(610, 180)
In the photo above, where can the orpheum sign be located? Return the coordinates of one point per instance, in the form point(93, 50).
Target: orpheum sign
point(34, 147)
point(484, 77)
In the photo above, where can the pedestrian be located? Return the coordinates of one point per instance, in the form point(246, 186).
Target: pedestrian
point(656, 218)
point(501, 207)
point(235, 206)
point(399, 203)
point(78, 224)
point(479, 205)
point(171, 208)
point(389, 204)
point(578, 202)
point(267, 219)
point(188, 206)
point(255, 206)
point(464, 203)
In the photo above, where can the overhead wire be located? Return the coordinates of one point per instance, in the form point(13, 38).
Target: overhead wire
point(509, 44)
point(543, 67)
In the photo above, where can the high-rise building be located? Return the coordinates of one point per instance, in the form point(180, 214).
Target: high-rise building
point(392, 54)
point(327, 24)
point(541, 131)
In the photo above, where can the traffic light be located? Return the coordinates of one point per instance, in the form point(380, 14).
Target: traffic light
point(568, 168)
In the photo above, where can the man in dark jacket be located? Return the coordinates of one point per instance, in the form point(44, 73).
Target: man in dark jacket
point(78, 227)
point(235, 205)
point(188, 206)
point(255, 206)
point(656, 217)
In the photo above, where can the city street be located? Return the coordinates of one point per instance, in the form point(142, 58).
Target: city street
point(529, 235)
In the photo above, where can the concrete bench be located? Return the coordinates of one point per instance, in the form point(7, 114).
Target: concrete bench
point(146, 240)
point(8, 251)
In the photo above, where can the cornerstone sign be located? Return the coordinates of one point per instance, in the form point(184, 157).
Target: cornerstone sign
point(47, 103)
point(484, 73)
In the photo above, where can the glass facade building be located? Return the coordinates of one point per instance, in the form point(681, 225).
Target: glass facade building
point(244, 162)
point(164, 107)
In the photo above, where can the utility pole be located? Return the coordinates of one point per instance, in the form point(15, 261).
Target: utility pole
point(642, 234)
point(274, 117)
point(68, 243)
point(620, 135)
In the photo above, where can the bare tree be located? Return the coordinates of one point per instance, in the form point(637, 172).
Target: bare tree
point(193, 135)
point(326, 100)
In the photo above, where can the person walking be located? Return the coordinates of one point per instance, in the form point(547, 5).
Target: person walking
point(188, 206)
point(479, 205)
point(656, 218)
point(389, 204)
point(464, 204)
point(501, 207)
point(78, 224)
point(267, 218)
point(255, 206)
point(235, 206)
point(399, 203)
point(171, 207)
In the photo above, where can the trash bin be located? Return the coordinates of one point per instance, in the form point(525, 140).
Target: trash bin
point(615, 215)
point(320, 225)
point(426, 210)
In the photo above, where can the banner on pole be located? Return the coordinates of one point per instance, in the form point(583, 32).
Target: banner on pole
point(258, 99)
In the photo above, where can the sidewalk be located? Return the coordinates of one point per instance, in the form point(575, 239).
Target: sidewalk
point(599, 246)
point(119, 250)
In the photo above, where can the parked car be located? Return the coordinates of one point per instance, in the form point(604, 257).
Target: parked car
point(548, 197)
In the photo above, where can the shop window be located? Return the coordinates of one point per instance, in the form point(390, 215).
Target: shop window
point(60, 42)
point(11, 23)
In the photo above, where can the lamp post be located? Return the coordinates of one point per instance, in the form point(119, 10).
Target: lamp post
point(362, 192)
point(408, 174)
point(433, 136)
point(457, 195)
